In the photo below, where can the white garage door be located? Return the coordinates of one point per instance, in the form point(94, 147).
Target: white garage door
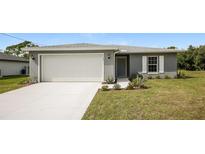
point(72, 67)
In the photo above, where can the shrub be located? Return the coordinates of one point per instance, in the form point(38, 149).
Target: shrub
point(105, 88)
point(26, 81)
point(130, 86)
point(149, 77)
point(181, 74)
point(29, 81)
point(110, 80)
point(142, 84)
point(137, 82)
point(158, 77)
point(167, 77)
point(34, 80)
point(144, 87)
point(135, 75)
point(117, 86)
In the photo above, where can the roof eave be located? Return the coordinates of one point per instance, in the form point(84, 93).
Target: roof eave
point(157, 51)
point(69, 49)
point(26, 61)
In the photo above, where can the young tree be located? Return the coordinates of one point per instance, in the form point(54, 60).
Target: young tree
point(190, 58)
point(17, 49)
point(201, 57)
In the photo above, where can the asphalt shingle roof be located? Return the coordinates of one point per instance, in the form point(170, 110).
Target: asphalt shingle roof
point(7, 57)
point(88, 46)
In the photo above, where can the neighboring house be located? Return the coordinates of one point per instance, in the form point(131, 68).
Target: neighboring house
point(93, 62)
point(12, 65)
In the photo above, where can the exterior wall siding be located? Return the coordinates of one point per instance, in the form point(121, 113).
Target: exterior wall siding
point(12, 67)
point(109, 63)
point(170, 63)
point(135, 63)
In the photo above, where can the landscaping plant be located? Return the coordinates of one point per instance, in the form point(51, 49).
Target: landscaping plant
point(181, 74)
point(130, 86)
point(117, 86)
point(135, 75)
point(167, 77)
point(105, 88)
point(110, 80)
point(157, 77)
point(149, 77)
point(137, 81)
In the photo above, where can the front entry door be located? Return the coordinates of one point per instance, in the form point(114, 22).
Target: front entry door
point(121, 66)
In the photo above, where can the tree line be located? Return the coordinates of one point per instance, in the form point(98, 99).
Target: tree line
point(192, 59)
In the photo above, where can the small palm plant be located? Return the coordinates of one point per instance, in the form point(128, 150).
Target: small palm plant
point(138, 82)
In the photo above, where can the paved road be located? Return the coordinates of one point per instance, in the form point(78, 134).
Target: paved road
point(58, 100)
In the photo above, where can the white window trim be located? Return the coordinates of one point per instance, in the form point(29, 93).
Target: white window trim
point(144, 64)
point(161, 64)
point(157, 72)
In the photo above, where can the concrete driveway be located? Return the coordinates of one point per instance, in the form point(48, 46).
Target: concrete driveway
point(61, 100)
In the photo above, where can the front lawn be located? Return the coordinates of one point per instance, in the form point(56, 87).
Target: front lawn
point(164, 99)
point(12, 82)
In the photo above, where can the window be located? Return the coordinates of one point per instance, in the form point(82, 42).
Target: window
point(152, 64)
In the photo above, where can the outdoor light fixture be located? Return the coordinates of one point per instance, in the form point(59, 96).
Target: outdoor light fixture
point(32, 57)
point(108, 57)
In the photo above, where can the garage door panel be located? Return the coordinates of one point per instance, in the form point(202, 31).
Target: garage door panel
point(73, 67)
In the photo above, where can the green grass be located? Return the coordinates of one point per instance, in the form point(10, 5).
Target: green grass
point(12, 82)
point(164, 99)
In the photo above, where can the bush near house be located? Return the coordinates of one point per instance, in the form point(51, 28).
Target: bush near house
point(158, 77)
point(181, 74)
point(167, 77)
point(149, 77)
point(130, 86)
point(135, 75)
point(117, 86)
point(105, 88)
point(110, 80)
point(136, 83)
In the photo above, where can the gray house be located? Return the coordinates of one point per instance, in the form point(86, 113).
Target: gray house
point(12, 65)
point(93, 62)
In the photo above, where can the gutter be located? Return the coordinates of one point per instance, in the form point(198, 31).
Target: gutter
point(68, 49)
point(150, 52)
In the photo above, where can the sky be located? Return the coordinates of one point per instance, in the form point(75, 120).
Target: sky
point(159, 40)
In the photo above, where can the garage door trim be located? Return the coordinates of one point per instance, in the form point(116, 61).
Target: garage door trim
point(39, 61)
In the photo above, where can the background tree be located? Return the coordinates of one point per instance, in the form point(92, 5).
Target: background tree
point(192, 59)
point(16, 50)
point(201, 57)
point(172, 47)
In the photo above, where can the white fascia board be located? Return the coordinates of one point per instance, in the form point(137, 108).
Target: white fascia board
point(70, 49)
